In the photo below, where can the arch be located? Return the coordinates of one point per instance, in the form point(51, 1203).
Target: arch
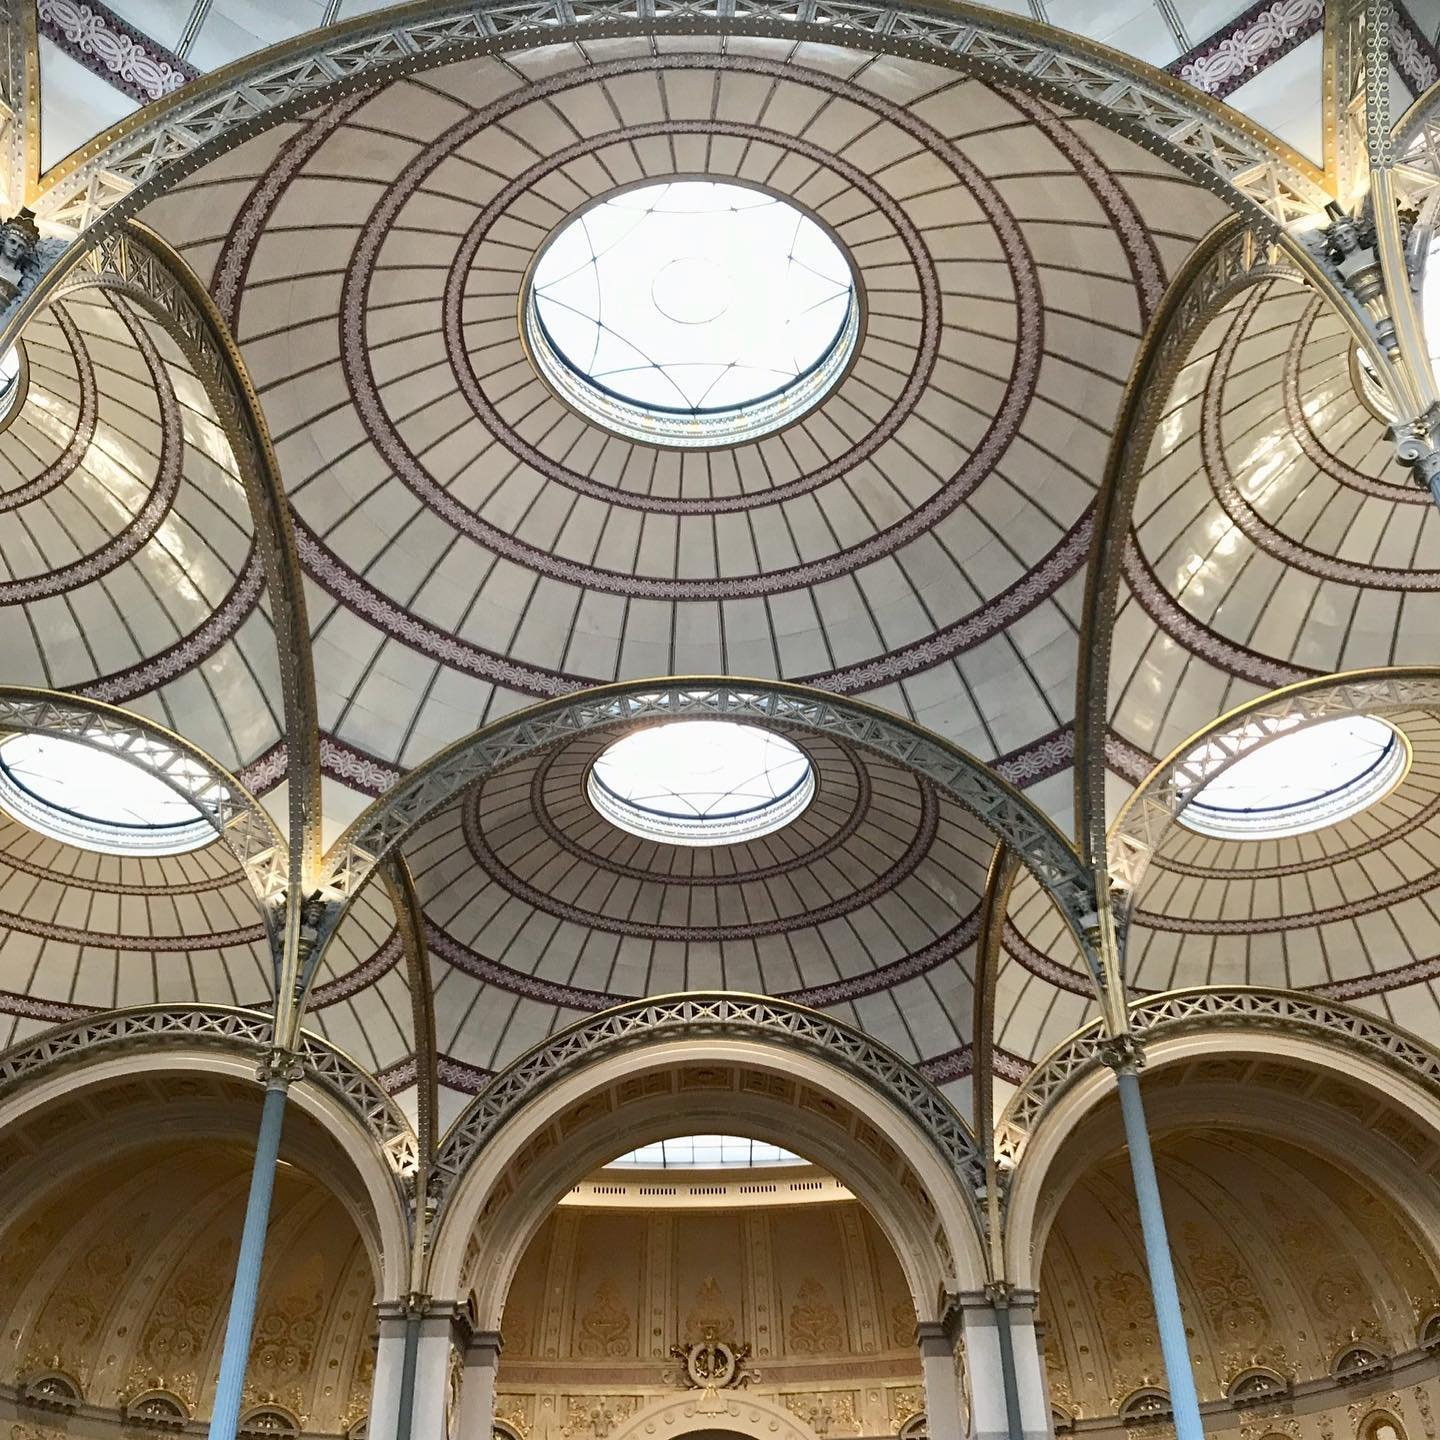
point(241, 822)
point(1025, 830)
point(367, 1125)
point(785, 1074)
point(1277, 1025)
point(120, 170)
point(138, 263)
point(739, 1414)
point(1146, 817)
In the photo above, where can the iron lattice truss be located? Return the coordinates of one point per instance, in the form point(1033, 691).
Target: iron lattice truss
point(741, 1016)
point(1179, 1011)
point(1142, 824)
point(244, 1032)
point(244, 827)
point(1013, 819)
point(1218, 149)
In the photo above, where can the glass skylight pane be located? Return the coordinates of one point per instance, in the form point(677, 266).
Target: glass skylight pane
point(706, 1152)
point(701, 782)
point(1302, 778)
point(692, 312)
point(85, 796)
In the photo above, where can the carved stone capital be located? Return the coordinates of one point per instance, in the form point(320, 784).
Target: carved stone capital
point(1124, 1054)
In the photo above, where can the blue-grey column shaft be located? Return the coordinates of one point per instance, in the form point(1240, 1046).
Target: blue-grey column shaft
point(1171, 1323)
point(225, 1418)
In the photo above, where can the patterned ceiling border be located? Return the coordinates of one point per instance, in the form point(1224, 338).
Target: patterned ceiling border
point(747, 1017)
point(241, 823)
point(1256, 38)
point(379, 830)
point(1139, 829)
point(94, 36)
point(1230, 1008)
point(121, 170)
point(245, 1032)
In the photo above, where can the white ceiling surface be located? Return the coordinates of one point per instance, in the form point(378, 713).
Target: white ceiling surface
point(128, 569)
point(825, 586)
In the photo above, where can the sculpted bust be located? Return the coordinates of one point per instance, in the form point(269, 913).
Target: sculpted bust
point(19, 238)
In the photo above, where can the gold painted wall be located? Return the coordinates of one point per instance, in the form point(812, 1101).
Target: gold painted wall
point(602, 1295)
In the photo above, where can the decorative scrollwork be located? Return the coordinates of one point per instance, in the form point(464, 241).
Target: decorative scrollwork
point(744, 1016)
point(245, 1031)
point(1179, 1010)
point(137, 160)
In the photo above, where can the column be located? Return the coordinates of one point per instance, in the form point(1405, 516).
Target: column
point(225, 1418)
point(477, 1388)
point(944, 1411)
point(384, 1419)
point(437, 1374)
point(1174, 1346)
point(1004, 1371)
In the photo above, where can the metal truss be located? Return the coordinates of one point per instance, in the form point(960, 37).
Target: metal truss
point(1240, 1008)
point(1140, 827)
point(246, 1032)
point(242, 824)
point(1027, 832)
point(138, 159)
point(646, 1022)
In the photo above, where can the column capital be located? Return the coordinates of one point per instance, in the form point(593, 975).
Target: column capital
point(1123, 1053)
point(279, 1069)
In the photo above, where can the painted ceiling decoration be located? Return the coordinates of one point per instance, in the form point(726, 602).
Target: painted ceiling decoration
point(295, 518)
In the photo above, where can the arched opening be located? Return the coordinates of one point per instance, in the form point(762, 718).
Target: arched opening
point(1304, 1266)
point(120, 1231)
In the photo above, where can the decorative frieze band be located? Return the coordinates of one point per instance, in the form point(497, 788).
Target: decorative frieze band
point(94, 36)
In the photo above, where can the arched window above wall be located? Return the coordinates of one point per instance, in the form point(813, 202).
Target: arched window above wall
point(1150, 1405)
point(1380, 1425)
point(1256, 1385)
point(1429, 1336)
point(156, 1410)
point(1355, 1361)
point(53, 1390)
point(269, 1421)
point(917, 1427)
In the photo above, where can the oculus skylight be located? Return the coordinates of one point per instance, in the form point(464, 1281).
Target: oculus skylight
point(701, 782)
point(706, 1152)
point(10, 386)
point(1302, 778)
point(88, 797)
point(692, 313)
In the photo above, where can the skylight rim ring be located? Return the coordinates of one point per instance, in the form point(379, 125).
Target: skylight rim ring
point(12, 402)
point(806, 776)
point(856, 323)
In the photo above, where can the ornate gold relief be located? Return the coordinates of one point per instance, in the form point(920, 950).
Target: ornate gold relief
point(596, 1415)
point(516, 1411)
point(710, 1313)
point(604, 1328)
point(815, 1327)
point(825, 1412)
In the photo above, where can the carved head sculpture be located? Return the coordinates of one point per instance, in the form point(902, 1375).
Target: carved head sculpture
point(18, 238)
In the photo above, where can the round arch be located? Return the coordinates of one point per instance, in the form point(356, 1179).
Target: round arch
point(374, 1137)
point(739, 1414)
point(1370, 1057)
point(526, 1139)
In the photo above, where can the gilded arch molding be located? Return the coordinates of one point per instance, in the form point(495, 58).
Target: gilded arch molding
point(139, 264)
point(241, 822)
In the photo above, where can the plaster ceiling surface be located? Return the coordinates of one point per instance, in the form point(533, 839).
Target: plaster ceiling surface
point(128, 565)
point(471, 544)
point(1274, 538)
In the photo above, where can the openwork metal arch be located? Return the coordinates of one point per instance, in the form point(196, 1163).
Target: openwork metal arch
point(120, 171)
point(139, 264)
point(240, 822)
point(244, 1032)
point(1179, 1011)
point(1140, 827)
point(1025, 830)
point(753, 1017)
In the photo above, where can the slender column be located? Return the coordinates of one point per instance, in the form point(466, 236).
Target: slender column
point(385, 1388)
point(477, 1389)
point(225, 1418)
point(1171, 1323)
point(944, 1414)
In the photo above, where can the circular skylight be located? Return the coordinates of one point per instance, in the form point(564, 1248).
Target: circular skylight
point(1303, 778)
point(706, 1152)
point(701, 782)
point(96, 800)
point(10, 387)
point(692, 313)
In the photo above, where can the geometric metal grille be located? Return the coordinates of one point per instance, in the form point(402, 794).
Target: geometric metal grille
point(750, 1017)
point(1027, 832)
point(1215, 148)
point(244, 1032)
point(1239, 1008)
